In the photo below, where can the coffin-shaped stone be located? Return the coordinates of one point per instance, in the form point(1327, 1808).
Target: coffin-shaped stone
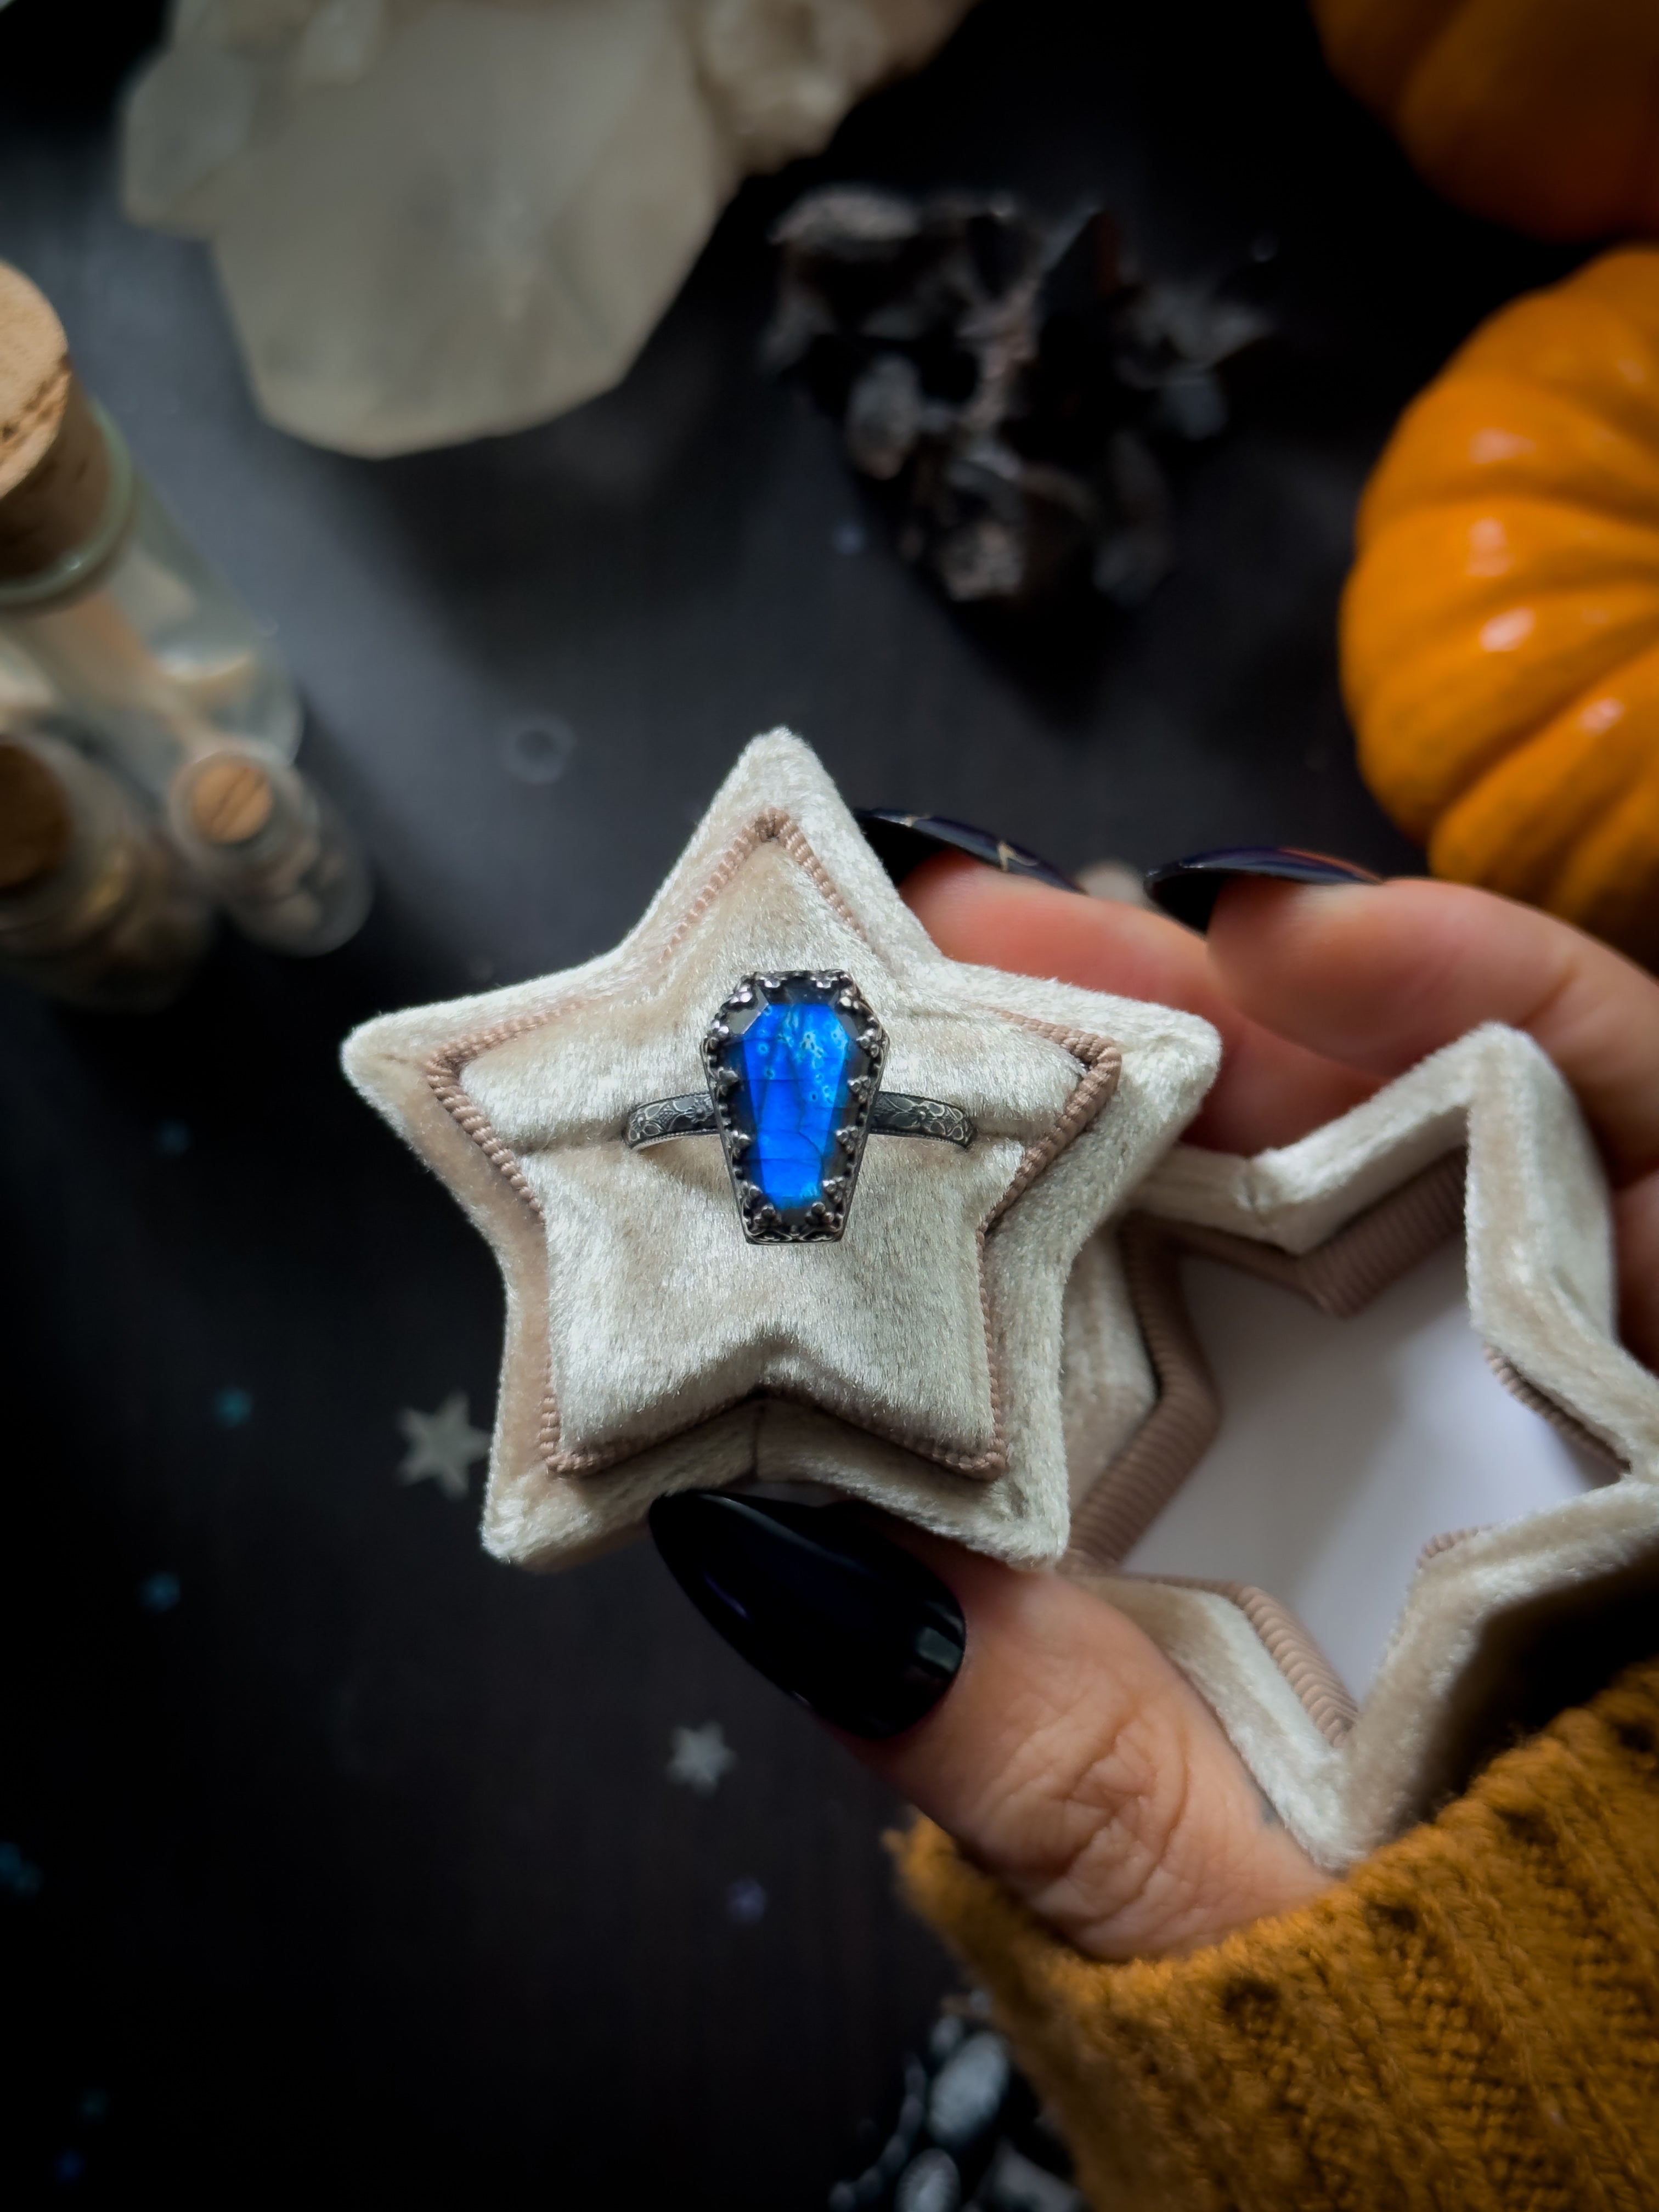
point(794, 1063)
point(794, 1068)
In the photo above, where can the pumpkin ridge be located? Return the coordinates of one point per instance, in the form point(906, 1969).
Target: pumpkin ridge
point(1499, 631)
point(1550, 437)
point(1611, 882)
point(1574, 348)
point(1472, 554)
point(1430, 721)
point(1512, 618)
point(1514, 827)
point(1542, 113)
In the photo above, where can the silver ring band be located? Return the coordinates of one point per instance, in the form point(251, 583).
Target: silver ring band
point(894, 1113)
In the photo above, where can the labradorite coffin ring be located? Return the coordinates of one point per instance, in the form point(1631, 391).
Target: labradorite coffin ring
point(795, 1088)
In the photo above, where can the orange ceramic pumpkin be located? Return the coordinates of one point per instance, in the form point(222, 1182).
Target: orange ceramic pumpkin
point(1500, 629)
point(1542, 113)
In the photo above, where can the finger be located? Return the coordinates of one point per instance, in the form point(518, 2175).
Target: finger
point(973, 912)
point(1381, 977)
point(1071, 1760)
point(1269, 1092)
point(1046, 1732)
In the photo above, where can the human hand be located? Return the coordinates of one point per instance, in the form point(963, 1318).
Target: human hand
point(1322, 993)
point(1054, 1742)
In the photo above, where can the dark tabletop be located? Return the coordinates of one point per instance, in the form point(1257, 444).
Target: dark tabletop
point(356, 1871)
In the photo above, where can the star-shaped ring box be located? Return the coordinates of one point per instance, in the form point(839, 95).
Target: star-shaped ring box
point(781, 1193)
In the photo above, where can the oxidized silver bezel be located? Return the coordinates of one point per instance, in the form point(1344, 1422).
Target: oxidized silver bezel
point(823, 1222)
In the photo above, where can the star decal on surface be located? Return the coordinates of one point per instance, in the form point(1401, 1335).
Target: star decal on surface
point(700, 1758)
point(913, 1358)
point(442, 1446)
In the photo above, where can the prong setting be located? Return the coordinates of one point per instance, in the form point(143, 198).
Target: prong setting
point(821, 1218)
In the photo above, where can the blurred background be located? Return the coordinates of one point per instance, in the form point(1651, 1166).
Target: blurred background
point(335, 1857)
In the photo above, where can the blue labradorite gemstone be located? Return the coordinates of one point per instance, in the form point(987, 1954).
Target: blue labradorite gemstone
point(794, 1063)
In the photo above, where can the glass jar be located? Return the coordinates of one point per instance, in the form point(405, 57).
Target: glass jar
point(95, 905)
point(269, 849)
point(144, 641)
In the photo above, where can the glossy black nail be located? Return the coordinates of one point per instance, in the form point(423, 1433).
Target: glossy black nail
point(903, 842)
point(1189, 889)
point(825, 1606)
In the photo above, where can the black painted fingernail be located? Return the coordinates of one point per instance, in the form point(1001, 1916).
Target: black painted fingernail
point(1189, 889)
point(824, 1605)
point(903, 842)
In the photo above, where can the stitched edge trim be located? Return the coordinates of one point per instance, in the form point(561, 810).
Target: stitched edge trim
point(1342, 1277)
point(1100, 1056)
point(1444, 1542)
point(1571, 1426)
point(1292, 1646)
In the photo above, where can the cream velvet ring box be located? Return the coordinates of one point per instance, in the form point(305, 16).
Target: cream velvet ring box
point(779, 1194)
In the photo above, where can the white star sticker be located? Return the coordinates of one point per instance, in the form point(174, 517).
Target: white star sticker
point(916, 1360)
point(442, 1446)
point(700, 1758)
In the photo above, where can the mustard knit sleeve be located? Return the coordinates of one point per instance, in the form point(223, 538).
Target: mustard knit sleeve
point(1471, 2019)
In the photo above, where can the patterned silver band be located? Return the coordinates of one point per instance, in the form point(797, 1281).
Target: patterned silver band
point(894, 1114)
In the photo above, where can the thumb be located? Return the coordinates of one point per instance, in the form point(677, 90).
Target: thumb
point(1045, 1731)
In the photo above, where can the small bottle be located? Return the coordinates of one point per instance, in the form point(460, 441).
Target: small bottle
point(269, 849)
point(95, 907)
point(101, 592)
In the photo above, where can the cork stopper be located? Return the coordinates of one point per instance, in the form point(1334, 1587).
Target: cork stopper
point(54, 467)
point(37, 822)
point(230, 801)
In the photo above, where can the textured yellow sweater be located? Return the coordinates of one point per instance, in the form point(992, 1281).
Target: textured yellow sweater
point(1471, 2019)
